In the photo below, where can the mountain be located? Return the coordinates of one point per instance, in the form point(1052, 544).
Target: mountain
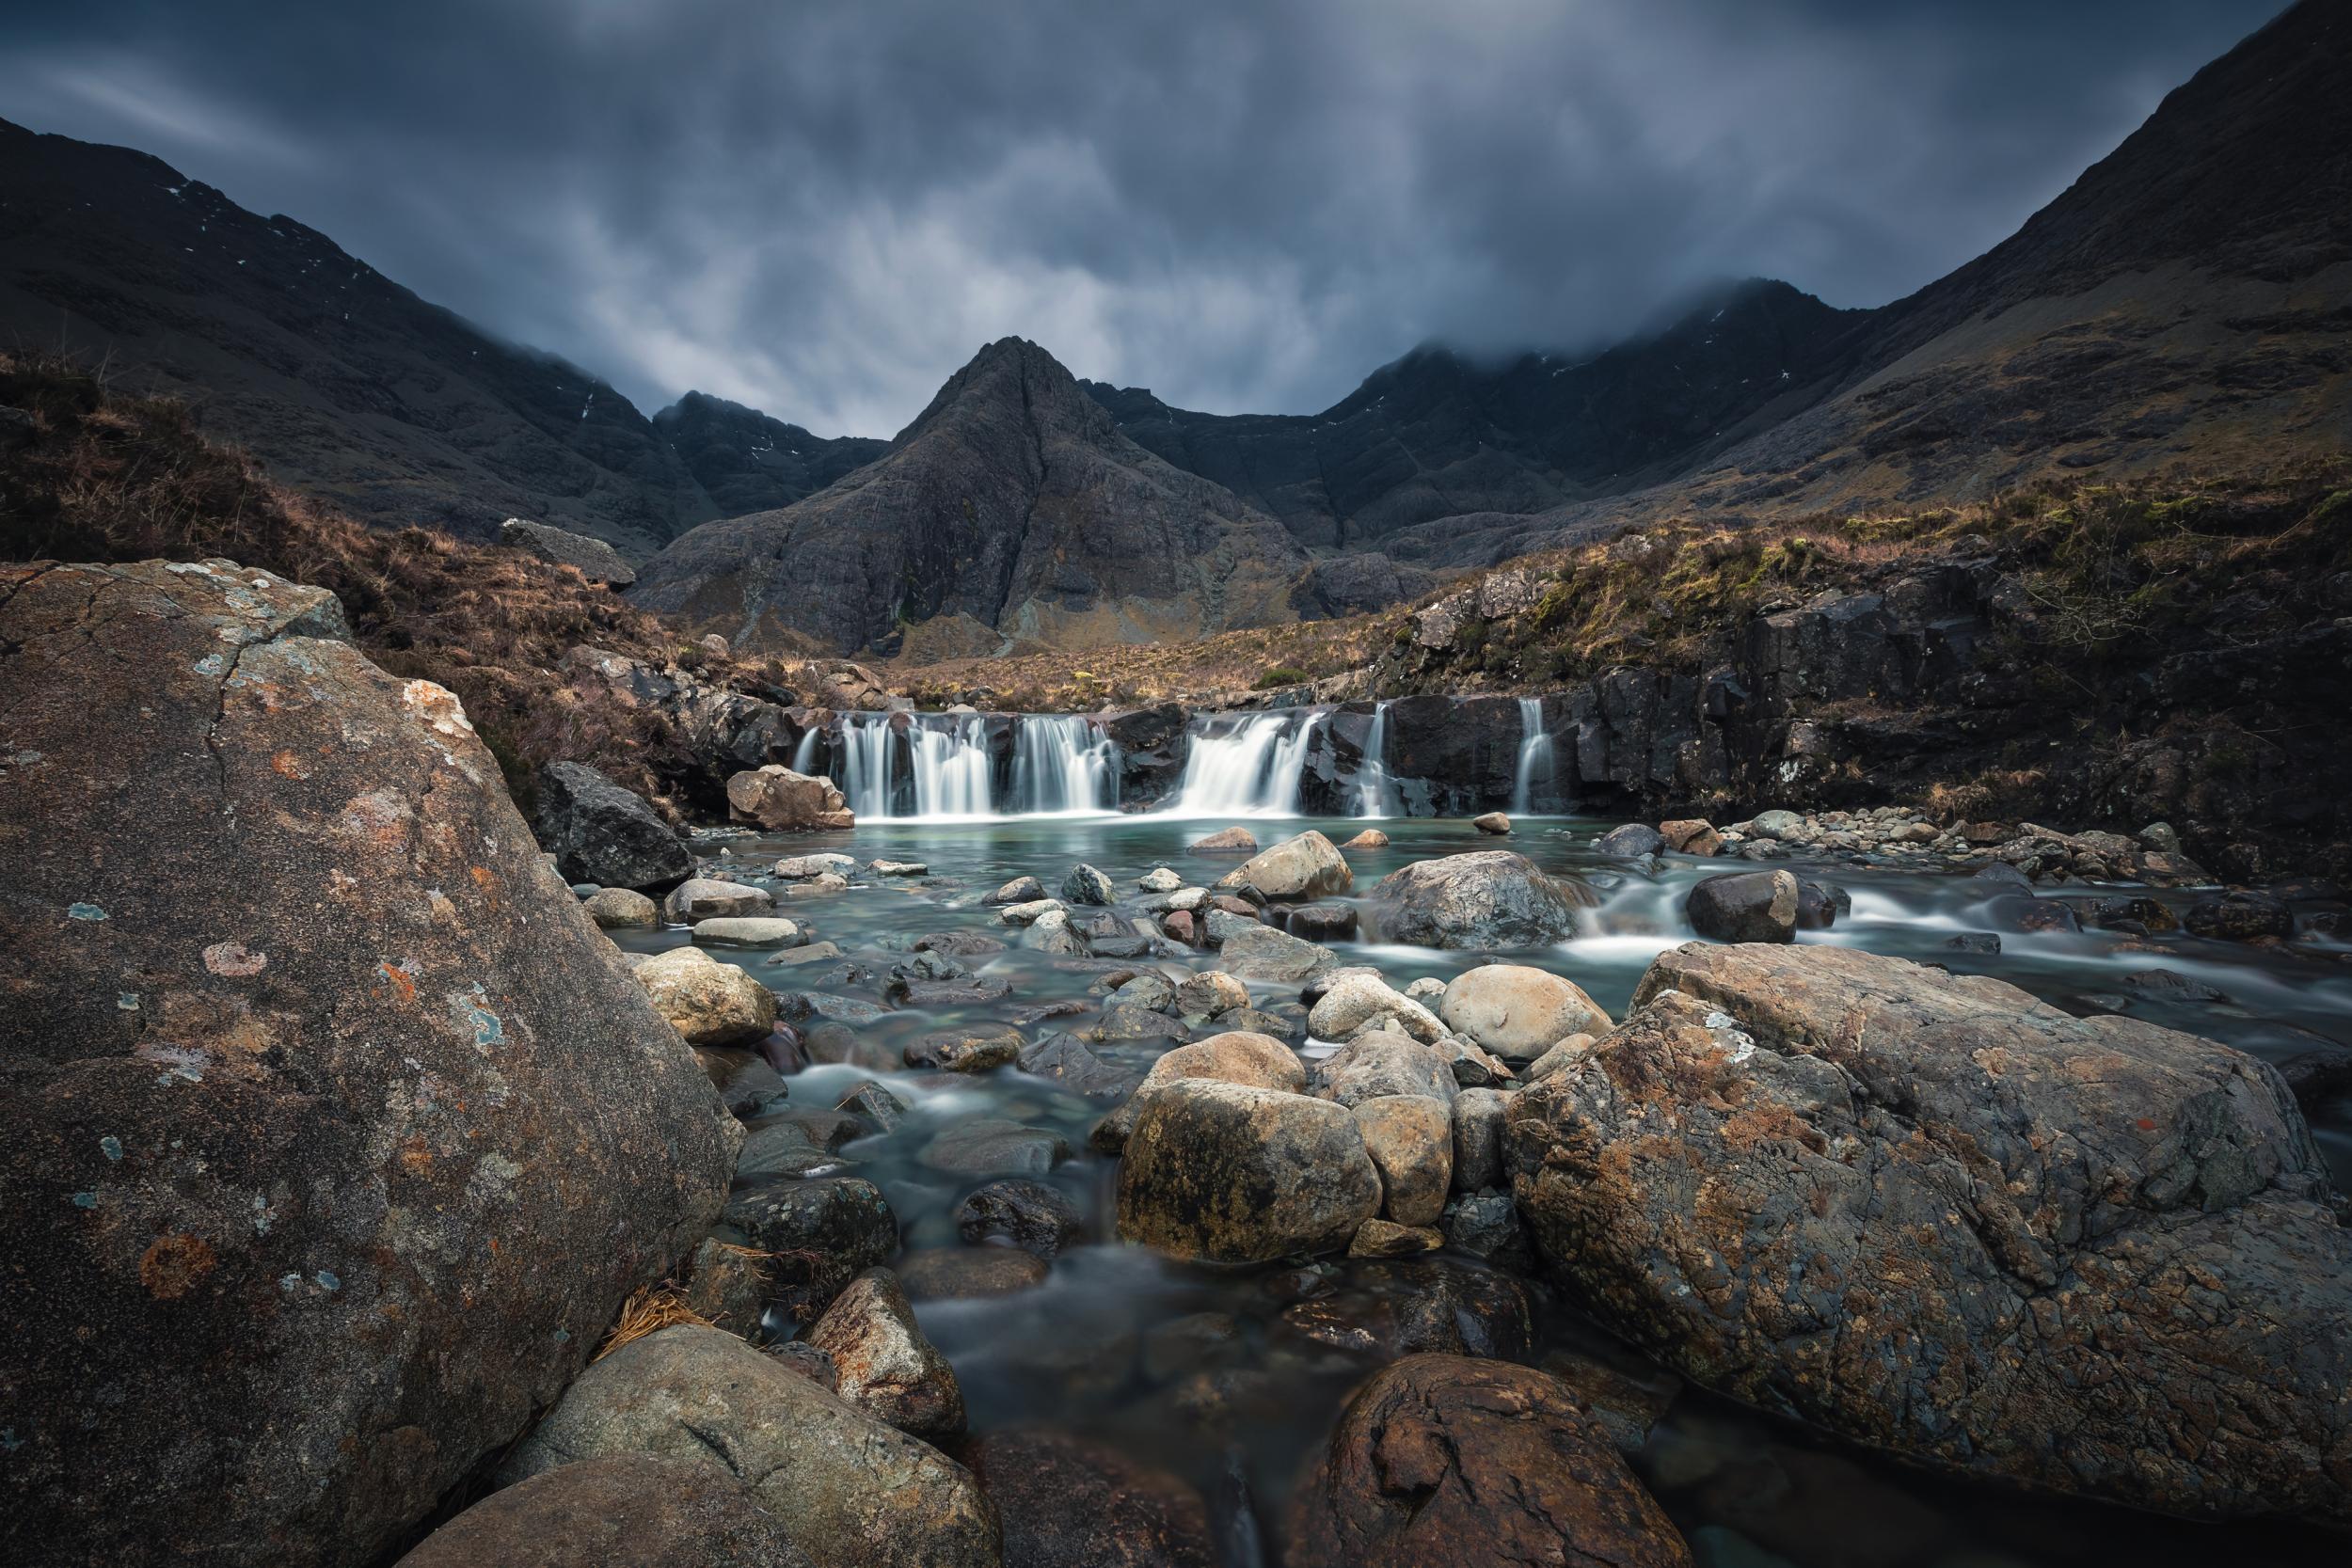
point(1011, 510)
point(1435, 433)
point(2185, 305)
point(343, 383)
point(746, 461)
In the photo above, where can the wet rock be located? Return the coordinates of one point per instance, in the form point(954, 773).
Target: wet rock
point(618, 908)
point(967, 1272)
point(1691, 836)
point(1477, 1131)
point(2110, 1172)
point(748, 931)
point(1983, 942)
point(823, 1233)
point(1073, 1502)
point(777, 799)
point(1383, 1063)
point(881, 1362)
point(1359, 1000)
point(1159, 880)
point(1371, 838)
point(1085, 885)
point(1032, 912)
point(1387, 1239)
point(1021, 890)
point(2171, 985)
point(1323, 922)
point(1419, 1305)
point(1410, 1139)
point(1489, 898)
point(1066, 1060)
point(1493, 823)
point(1179, 926)
point(1229, 1173)
point(1028, 1214)
point(802, 1359)
point(1631, 842)
point(829, 1130)
point(979, 1048)
point(808, 869)
point(706, 897)
point(1126, 1020)
point(628, 1511)
point(2319, 1076)
point(1745, 906)
point(873, 1103)
point(601, 833)
point(1181, 1344)
point(1443, 1459)
point(991, 1145)
point(1626, 1401)
point(1226, 840)
point(1284, 1025)
point(728, 1285)
point(1149, 988)
point(897, 868)
point(1307, 866)
point(2036, 915)
point(1517, 1011)
point(2239, 916)
point(784, 1149)
point(1236, 1057)
point(853, 1492)
point(707, 1002)
point(961, 945)
point(1261, 952)
point(832, 1043)
point(1486, 1225)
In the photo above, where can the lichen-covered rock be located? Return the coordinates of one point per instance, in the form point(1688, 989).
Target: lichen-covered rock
point(629, 1511)
point(1487, 898)
point(1307, 866)
point(1384, 1063)
point(1944, 1219)
point(1443, 1459)
point(601, 833)
point(1255, 951)
point(1236, 1057)
point(1240, 1175)
point(1359, 1000)
point(1517, 1011)
point(853, 1492)
point(881, 1362)
point(1745, 906)
point(707, 1002)
point(821, 1234)
point(1226, 840)
point(776, 798)
point(1086, 884)
point(708, 898)
point(1074, 1502)
point(337, 1135)
point(619, 909)
point(1410, 1139)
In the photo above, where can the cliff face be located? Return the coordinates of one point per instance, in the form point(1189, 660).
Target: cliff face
point(1011, 507)
point(747, 461)
point(345, 384)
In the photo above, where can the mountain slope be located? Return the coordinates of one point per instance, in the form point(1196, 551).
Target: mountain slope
point(1012, 509)
point(746, 461)
point(343, 382)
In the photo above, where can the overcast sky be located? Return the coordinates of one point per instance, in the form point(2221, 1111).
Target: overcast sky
point(1243, 204)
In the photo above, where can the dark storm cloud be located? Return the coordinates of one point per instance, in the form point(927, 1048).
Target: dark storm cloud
point(823, 210)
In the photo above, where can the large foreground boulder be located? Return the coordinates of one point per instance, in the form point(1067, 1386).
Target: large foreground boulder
point(627, 1511)
point(1307, 866)
point(1489, 898)
point(1447, 1458)
point(854, 1492)
point(1240, 1175)
point(1944, 1219)
point(778, 800)
point(599, 832)
point(337, 1135)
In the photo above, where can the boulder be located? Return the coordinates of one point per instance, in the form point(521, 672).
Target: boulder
point(1371, 838)
point(992, 1145)
point(1326, 922)
point(1232, 1174)
point(2089, 1255)
point(853, 1492)
point(1630, 842)
point(599, 832)
point(1159, 880)
point(749, 930)
point(1487, 898)
point(707, 1002)
point(1446, 1459)
point(1087, 885)
point(1226, 840)
point(1745, 906)
point(1075, 1502)
point(591, 559)
point(2239, 916)
point(628, 1511)
point(822, 1234)
point(1477, 1125)
point(1691, 835)
point(808, 869)
point(619, 909)
point(1410, 1139)
point(1493, 824)
point(707, 899)
point(1255, 951)
point(1019, 1212)
point(1210, 993)
point(1517, 1011)
point(1383, 1063)
point(336, 1133)
point(980, 1047)
point(777, 799)
point(1021, 890)
point(1359, 999)
point(1307, 866)
point(1236, 1057)
point(880, 1361)
point(1387, 1239)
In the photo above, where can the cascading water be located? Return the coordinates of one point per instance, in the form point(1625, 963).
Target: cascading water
point(1375, 791)
point(864, 755)
point(1063, 764)
point(1534, 764)
point(953, 773)
point(1247, 765)
point(805, 755)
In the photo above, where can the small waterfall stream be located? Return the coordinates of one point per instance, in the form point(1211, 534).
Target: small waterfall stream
point(1375, 791)
point(1246, 765)
point(1062, 763)
point(1534, 763)
point(941, 766)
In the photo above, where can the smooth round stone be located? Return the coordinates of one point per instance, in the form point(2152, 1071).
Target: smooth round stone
point(749, 931)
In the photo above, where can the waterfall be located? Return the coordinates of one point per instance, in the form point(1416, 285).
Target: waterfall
point(1535, 755)
point(952, 768)
point(1063, 764)
point(1246, 764)
point(805, 755)
point(864, 757)
point(1376, 792)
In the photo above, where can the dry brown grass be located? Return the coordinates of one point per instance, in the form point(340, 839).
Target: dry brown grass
point(651, 1309)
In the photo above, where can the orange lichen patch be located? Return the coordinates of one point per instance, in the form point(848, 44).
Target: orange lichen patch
point(416, 1155)
point(402, 980)
point(173, 1265)
point(288, 765)
point(653, 1308)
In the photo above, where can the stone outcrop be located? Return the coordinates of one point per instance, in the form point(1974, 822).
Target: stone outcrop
point(778, 800)
point(854, 1492)
point(1306, 867)
point(337, 1132)
point(591, 557)
point(1487, 898)
point(599, 832)
point(1944, 1219)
